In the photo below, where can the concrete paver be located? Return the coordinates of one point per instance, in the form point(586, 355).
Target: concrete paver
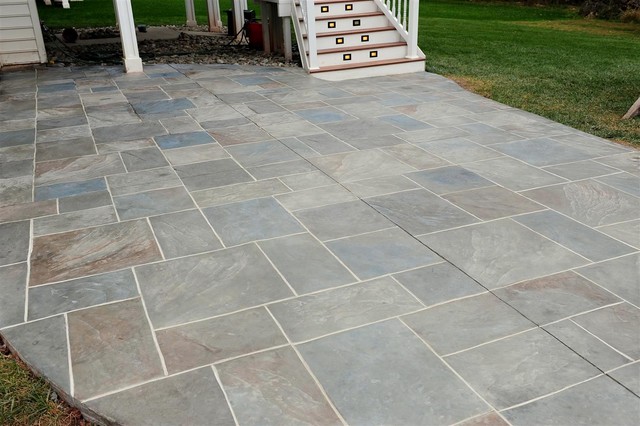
point(220, 244)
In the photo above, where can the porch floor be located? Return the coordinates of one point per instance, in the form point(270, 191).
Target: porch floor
point(223, 244)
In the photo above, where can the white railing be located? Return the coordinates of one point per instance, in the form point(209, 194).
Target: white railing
point(309, 16)
point(404, 16)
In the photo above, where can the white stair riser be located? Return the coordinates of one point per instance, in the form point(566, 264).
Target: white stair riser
point(346, 24)
point(351, 40)
point(342, 75)
point(360, 56)
point(339, 8)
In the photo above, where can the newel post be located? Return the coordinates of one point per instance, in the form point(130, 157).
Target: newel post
point(414, 6)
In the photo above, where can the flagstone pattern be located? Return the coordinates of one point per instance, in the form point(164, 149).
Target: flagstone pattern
point(221, 244)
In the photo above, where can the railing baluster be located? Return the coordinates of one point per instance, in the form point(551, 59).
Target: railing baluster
point(404, 14)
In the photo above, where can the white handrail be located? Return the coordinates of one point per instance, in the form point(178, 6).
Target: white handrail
point(404, 18)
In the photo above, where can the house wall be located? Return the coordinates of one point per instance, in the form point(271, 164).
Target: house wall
point(20, 34)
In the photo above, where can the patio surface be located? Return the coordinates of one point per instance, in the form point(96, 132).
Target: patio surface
point(224, 244)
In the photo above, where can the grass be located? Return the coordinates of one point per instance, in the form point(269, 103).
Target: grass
point(547, 60)
point(27, 400)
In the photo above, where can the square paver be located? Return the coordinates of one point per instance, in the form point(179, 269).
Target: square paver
point(251, 220)
point(152, 203)
point(307, 317)
point(420, 212)
point(205, 342)
point(142, 181)
point(305, 263)
point(382, 252)
point(465, 323)
point(111, 347)
point(401, 382)
point(414, 156)
point(184, 233)
point(183, 290)
point(597, 402)
point(589, 202)
point(360, 165)
point(580, 238)
point(342, 220)
point(449, 179)
point(617, 326)
point(619, 276)
point(142, 159)
point(65, 149)
point(501, 252)
point(520, 368)
point(193, 398)
point(459, 150)
point(554, 297)
point(274, 388)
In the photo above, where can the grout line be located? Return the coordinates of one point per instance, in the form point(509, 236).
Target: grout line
point(478, 416)
point(28, 262)
point(276, 269)
point(155, 238)
point(450, 368)
point(153, 333)
point(552, 393)
point(362, 233)
point(71, 379)
point(260, 351)
point(582, 313)
point(224, 392)
point(621, 353)
point(408, 291)
point(535, 327)
point(309, 371)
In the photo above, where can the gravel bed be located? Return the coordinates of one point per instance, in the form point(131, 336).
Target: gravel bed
point(187, 49)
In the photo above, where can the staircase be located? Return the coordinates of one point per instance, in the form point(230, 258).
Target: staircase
point(341, 39)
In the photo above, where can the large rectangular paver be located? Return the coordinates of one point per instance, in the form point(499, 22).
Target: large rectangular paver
point(360, 165)
point(400, 382)
point(152, 203)
point(211, 174)
point(311, 316)
point(13, 279)
point(206, 285)
point(501, 252)
point(521, 368)
point(90, 251)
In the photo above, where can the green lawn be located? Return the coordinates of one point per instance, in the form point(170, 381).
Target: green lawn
point(546, 60)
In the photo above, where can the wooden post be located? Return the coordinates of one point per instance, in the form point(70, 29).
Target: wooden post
point(633, 111)
point(286, 33)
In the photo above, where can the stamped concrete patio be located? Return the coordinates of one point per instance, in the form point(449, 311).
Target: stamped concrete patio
point(221, 244)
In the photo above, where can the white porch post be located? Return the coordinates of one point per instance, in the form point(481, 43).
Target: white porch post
point(131, 57)
point(265, 9)
point(286, 33)
point(238, 16)
point(412, 51)
point(213, 10)
point(191, 13)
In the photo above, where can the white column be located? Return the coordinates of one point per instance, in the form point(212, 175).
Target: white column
point(213, 10)
point(191, 13)
point(65, 4)
point(131, 57)
point(238, 16)
point(412, 50)
point(286, 34)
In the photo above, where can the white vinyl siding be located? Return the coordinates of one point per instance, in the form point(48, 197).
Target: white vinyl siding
point(20, 35)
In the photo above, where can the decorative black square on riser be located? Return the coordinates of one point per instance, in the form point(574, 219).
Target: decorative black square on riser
point(339, 40)
point(364, 38)
point(346, 57)
point(356, 22)
point(324, 9)
point(331, 24)
point(373, 54)
point(348, 7)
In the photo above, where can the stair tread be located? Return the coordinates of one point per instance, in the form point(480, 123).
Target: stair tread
point(366, 64)
point(361, 47)
point(358, 31)
point(349, 16)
